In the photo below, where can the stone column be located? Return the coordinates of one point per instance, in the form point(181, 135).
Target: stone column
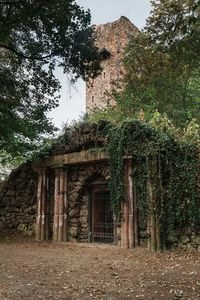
point(125, 225)
point(42, 223)
point(60, 206)
point(129, 209)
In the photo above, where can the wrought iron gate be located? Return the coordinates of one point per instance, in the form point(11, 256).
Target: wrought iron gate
point(102, 217)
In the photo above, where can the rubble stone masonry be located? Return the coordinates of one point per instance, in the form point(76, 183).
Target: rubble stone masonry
point(112, 38)
point(18, 201)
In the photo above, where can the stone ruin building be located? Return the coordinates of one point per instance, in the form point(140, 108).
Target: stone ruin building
point(66, 196)
point(111, 40)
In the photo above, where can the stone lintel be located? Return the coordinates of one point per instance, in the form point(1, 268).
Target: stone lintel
point(75, 158)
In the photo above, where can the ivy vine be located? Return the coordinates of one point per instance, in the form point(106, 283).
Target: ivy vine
point(170, 166)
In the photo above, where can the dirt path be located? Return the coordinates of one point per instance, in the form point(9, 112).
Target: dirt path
point(32, 270)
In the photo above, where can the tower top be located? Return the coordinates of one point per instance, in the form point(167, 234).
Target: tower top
point(119, 31)
point(122, 20)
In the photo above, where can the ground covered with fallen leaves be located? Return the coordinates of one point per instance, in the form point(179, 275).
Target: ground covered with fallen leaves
point(34, 270)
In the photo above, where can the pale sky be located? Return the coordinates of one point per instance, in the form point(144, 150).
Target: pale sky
point(72, 102)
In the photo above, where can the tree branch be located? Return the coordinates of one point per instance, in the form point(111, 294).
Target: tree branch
point(20, 54)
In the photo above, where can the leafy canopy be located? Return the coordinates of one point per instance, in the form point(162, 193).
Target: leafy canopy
point(162, 65)
point(35, 38)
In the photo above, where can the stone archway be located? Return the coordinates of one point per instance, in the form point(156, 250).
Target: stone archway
point(71, 201)
point(84, 179)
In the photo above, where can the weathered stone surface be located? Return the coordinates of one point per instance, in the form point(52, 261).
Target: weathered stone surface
point(10, 193)
point(113, 37)
point(191, 248)
point(74, 197)
point(22, 227)
point(183, 247)
point(74, 221)
point(74, 213)
point(74, 231)
point(173, 238)
point(18, 200)
point(19, 204)
point(197, 240)
point(75, 158)
point(185, 240)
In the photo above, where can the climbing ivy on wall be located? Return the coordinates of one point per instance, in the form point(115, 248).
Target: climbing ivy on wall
point(165, 165)
point(166, 174)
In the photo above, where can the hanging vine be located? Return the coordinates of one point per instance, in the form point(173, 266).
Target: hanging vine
point(166, 174)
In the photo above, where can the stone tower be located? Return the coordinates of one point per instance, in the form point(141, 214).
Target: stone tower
point(111, 39)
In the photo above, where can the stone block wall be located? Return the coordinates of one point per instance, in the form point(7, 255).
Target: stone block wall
point(18, 201)
point(113, 37)
point(18, 204)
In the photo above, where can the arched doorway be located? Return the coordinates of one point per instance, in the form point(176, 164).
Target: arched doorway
point(101, 225)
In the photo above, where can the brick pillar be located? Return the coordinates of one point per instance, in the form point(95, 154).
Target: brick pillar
point(129, 209)
point(60, 206)
point(42, 223)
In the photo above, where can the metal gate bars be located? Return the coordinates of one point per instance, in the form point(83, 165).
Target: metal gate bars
point(102, 226)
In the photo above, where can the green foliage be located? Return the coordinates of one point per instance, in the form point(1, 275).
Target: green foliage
point(162, 63)
point(35, 38)
point(159, 159)
point(116, 150)
point(155, 81)
point(191, 132)
point(174, 25)
point(7, 163)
